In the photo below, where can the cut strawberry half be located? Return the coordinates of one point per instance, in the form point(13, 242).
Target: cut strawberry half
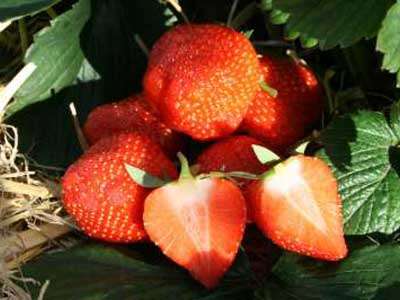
point(298, 207)
point(198, 223)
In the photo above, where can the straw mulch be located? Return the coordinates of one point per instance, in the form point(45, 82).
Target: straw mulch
point(31, 217)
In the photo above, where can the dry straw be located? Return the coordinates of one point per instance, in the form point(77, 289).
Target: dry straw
point(31, 216)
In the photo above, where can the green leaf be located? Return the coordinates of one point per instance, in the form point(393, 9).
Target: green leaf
point(332, 22)
point(58, 56)
point(366, 274)
point(15, 9)
point(348, 97)
point(266, 4)
point(244, 15)
point(264, 155)
point(308, 42)
point(389, 41)
point(143, 178)
point(101, 272)
point(359, 148)
point(395, 119)
point(279, 17)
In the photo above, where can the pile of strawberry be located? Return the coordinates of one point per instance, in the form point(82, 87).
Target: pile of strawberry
point(207, 82)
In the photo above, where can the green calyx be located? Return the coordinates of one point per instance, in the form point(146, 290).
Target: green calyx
point(271, 172)
point(264, 155)
point(147, 180)
point(267, 157)
point(186, 172)
point(143, 178)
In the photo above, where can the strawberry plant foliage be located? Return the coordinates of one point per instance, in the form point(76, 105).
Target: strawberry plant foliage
point(100, 272)
point(368, 273)
point(58, 56)
point(331, 22)
point(389, 41)
point(359, 147)
point(14, 9)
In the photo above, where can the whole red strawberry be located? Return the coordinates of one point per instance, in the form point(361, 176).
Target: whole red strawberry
point(198, 222)
point(134, 113)
point(99, 193)
point(298, 207)
point(232, 154)
point(283, 120)
point(201, 79)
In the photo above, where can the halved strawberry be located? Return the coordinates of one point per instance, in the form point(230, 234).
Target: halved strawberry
point(298, 207)
point(198, 223)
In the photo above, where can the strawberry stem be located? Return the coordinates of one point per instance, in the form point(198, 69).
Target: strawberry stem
point(329, 94)
point(266, 88)
point(185, 169)
point(232, 12)
point(78, 130)
point(293, 55)
point(141, 45)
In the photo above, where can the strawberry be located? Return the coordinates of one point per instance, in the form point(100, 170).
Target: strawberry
point(196, 225)
point(283, 120)
point(99, 194)
point(134, 113)
point(298, 207)
point(201, 79)
point(232, 154)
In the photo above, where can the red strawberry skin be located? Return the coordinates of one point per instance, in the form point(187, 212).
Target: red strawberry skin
point(133, 113)
point(299, 208)
point(98, 192)
point(201, 79)
point(234, 153)
point(281, 121)
point(197, 225)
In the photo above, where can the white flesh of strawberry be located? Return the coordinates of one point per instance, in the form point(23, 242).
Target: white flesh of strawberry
point(287, 181)
point(193, 209)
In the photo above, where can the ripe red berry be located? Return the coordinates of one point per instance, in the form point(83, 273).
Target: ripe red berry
point(282, 121)
point(234, 153)
point(100, 195)
point(298, 207)
point(134, 113)
point(201, 79)
point(197, 225)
